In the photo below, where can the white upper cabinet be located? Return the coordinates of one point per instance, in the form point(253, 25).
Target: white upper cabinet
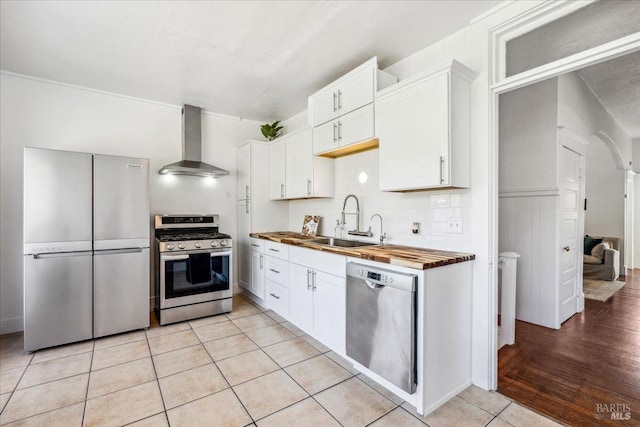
point(306, 176)
point(277, 170)
point(342, 132)
point(423, 129)
point(330, 106)
point(244, 172)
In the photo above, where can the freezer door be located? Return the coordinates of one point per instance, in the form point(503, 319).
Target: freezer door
point(57, 299)
point(121, 291)
point(120, 202)
point(57, 201)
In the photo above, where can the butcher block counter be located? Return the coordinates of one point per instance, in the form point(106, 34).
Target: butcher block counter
point(405, 256)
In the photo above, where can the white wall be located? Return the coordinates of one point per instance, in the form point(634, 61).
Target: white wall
point(398, 210)
point(48, 115)
point(604, 190)
point(635, 144)
point(528, 138)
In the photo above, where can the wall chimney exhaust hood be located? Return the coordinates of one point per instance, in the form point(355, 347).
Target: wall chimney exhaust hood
point(191, 163)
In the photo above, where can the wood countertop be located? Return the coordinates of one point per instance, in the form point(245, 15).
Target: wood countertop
point(405, 256)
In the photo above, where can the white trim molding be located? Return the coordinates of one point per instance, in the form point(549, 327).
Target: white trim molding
point(535, 17)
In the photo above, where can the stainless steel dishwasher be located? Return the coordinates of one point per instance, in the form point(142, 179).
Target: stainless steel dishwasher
point(381, 322)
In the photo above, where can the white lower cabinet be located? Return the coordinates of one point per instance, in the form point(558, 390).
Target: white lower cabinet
point(277, 298)
point(257, 274)
point(317, 298)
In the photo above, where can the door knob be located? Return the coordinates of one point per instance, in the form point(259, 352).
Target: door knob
point(566, 249)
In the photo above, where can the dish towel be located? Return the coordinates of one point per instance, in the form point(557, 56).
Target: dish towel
point(199, 268)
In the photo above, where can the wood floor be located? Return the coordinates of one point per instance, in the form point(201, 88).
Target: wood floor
point(593, 359)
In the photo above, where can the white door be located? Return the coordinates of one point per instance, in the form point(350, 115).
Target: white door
point(299, 166)
point(356, 126)
point(329, 310)
point(571, 199)
point(300, 297)
point(257, 274)
point(243, 244)
point(277, 170)
point(244, 171)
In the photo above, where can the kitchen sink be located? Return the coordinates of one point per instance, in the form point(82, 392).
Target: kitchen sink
point(343, 243)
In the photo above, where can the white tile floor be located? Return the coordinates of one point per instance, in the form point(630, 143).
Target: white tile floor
point(249, 367)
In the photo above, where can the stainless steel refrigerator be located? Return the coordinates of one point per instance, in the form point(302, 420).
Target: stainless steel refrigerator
point(86, 246)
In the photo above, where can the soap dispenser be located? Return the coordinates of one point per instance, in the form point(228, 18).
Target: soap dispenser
point(338, 230)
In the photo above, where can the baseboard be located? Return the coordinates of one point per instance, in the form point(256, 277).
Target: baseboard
point(445, 399)
point(8, 326)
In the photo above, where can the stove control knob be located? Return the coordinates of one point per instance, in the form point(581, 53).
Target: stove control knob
point(214, 243)
point(198, 245)
point(223, 243)
point(181, 246)
point(170, 246)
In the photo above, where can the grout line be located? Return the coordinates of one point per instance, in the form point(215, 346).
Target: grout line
point(153, 364)
point(86, 396)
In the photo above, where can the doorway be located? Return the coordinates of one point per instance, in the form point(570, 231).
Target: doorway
point(564, 373)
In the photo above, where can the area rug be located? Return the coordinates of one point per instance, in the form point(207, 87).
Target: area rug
point(600, 290)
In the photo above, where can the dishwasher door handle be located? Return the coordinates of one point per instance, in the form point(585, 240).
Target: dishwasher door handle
point(373, 285)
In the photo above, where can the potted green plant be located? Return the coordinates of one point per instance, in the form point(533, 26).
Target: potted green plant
point(271, 131)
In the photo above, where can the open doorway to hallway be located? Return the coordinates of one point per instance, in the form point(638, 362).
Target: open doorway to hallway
point(565, 364)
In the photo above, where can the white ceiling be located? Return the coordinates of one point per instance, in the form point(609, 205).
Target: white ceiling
point(617, 84)
point(257, 60)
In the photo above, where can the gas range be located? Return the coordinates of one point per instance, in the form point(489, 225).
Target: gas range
point(189, 233)
point(194, 268)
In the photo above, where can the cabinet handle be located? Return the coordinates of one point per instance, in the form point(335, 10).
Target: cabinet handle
point(261, 257)
point(275, 296)
point(335, 138)
point(308, 279)
point(255, 245)
point(335, 105)
point(282, 191)
point(339, 100)
point(275, 271)
point(441, 170)
point(339, 131)
point(308, 187)
point(274, 250)
point(313, 280)
point(246, 206)
point(246, 191)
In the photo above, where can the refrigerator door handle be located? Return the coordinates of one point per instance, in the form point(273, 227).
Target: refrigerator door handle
point(118, 251)
point(62, 254)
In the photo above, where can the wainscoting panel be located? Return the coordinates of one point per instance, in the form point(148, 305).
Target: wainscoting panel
point(528, 226)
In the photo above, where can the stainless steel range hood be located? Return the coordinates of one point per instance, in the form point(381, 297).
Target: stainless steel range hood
point(191, 163)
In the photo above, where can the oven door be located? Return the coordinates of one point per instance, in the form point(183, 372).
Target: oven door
point(195, 276)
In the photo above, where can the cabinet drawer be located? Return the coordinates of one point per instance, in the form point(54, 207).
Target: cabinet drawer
point(346, 131)
point(277, 250)
point(321, 261)
point(277, 270)
point(257, 244)
point(278, 298)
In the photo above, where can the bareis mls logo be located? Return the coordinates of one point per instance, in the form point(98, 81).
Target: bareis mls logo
point(613, 411)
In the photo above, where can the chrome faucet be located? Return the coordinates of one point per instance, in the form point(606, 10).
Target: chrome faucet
point(357, 231)
point(382, 235)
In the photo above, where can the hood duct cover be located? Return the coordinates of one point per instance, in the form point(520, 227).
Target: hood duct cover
point(191, 163)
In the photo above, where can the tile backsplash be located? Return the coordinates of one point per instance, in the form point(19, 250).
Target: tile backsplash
point(432, 209)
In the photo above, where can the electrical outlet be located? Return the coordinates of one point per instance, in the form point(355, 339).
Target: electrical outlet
point(454, 225)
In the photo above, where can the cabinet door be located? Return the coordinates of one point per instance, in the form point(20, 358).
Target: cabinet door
point(356, 126)
point(257, 274)
point(325, 137)
point(244, 171)
point(329, 305)
point(356, 91)
point(243, 244)
point(300, 297)
point(299, 166)
point(412, 125)
point(324, 106)
point(277, 170)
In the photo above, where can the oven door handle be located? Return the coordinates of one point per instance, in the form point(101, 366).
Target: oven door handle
point(173, 257)
point(225, 253)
